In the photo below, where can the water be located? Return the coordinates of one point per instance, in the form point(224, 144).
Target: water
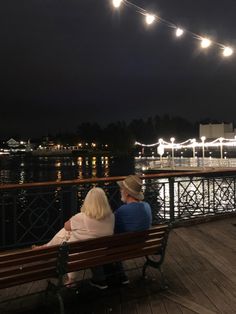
point(24, 169)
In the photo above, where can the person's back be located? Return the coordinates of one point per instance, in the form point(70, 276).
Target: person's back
point(134, 216)
point(85, 227)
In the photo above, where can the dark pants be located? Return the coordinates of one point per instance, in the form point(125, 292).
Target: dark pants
point(114, 272)
point(98, 273)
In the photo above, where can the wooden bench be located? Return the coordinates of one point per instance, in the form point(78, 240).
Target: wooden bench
point(27, 266)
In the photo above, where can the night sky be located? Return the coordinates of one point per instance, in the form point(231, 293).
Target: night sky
point(64, 62)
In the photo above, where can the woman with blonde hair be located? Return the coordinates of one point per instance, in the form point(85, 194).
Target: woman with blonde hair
point(94, 220)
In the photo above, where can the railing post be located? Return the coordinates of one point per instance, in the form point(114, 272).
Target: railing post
point(172, 199)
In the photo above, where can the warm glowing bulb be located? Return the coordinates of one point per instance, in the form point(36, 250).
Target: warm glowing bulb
point(205, 43)
point(116, 3)
point(150, 19)
point(227, 51)
point(179, 32)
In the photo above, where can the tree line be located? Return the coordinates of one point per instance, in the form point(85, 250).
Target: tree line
point(120, 136)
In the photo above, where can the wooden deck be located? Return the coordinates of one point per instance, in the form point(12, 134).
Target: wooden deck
point(200, 268)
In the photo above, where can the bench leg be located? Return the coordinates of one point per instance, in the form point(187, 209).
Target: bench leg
point(61, 302)
point(55, 290)
point(164, 286)
point(156, 265)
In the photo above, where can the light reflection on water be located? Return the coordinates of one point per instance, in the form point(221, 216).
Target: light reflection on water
point(22, 169)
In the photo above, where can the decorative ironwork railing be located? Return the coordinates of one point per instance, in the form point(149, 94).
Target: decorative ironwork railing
point(33, 213)
point(154, 163)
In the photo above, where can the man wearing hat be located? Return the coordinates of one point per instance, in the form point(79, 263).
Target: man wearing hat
point(134, 215)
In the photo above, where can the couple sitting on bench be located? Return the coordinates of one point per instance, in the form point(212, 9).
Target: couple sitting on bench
point(97, 220)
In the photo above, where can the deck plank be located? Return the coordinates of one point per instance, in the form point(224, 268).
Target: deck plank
point(217, 270)
point(172, 307)
point(157, 304)
point(216, 257)
point(197, 308)
point(190, 270)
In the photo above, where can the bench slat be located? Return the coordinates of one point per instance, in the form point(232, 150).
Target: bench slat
point(118, 249)
point(112, 241)
point(25, 269)
point(8, 255)
point(28, 260)
point(112, 258)
point(25, 278)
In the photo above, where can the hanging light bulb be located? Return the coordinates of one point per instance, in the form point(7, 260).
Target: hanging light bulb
point(116, 3)
point(179, 32)
point(149, 19)
point(227, 52)
point(205, 43)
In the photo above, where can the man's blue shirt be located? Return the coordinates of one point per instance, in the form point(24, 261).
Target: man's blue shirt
point(136, 216)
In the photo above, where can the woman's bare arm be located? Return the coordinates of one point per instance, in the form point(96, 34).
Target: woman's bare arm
point(67, 225)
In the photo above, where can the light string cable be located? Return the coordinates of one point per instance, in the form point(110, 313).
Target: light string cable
point(150, 18)
point(215, 143)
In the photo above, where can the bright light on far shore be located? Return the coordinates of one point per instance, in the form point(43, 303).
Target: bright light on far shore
point(179, 32)
point(149, 19)
point(116, 3)
point(205, 43)
point(227, 52)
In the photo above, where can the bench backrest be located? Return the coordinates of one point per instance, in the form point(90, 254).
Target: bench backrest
point(118, 247)
point(31, 265)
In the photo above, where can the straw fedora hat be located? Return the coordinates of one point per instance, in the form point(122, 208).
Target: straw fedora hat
point(133, 186)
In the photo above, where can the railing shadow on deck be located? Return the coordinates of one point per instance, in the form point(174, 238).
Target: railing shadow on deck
point(34, 212)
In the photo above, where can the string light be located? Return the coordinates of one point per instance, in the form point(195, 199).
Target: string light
point(150, 18)
point(179, 32)
point(191, 142)
point(116, 3)
point(227, 52)
point(205, 43)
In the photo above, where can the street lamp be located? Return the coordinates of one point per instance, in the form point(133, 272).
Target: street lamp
point(172, 139)
point(203, 149)
point(160, 149)
point(221, 147)
point(193, 144)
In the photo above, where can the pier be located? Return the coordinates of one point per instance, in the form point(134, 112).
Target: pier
point(165, 164)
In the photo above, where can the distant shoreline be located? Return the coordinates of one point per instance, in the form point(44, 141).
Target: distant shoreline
point(61, 153)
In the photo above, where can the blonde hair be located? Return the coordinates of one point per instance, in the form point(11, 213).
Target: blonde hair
point(96, 204)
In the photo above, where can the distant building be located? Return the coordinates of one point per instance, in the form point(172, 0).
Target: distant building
point(213, 131)
point(13, 143)
point(18, 146)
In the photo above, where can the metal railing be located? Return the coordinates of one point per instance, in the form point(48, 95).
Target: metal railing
point(154, 163)
point(33, 213)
